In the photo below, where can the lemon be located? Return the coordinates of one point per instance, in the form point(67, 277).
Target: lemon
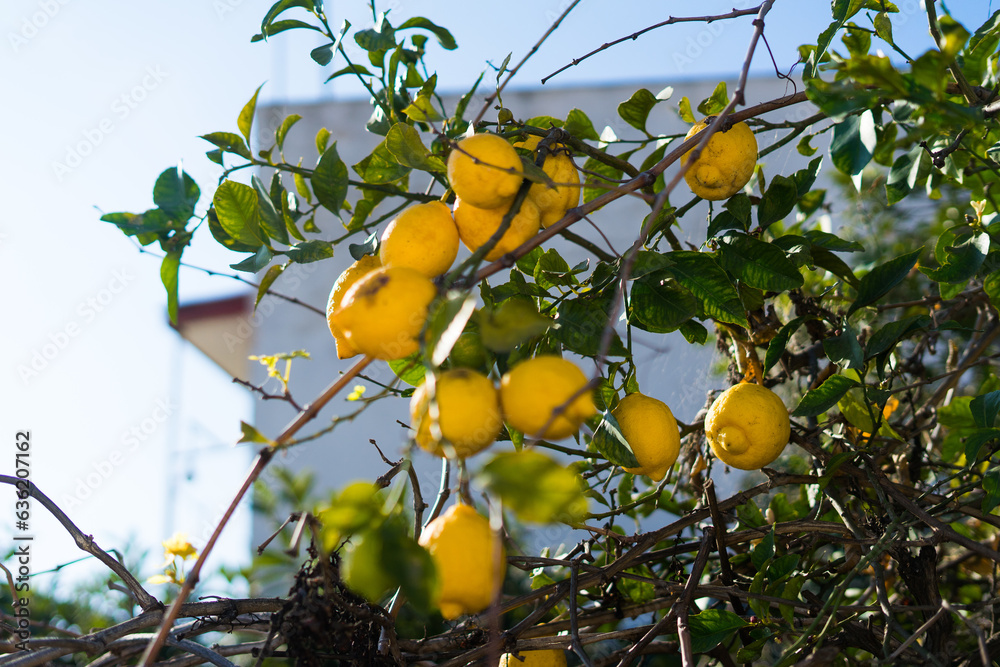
point(747, 426)
point(533, 389)
point(725, 165)
point(544, 658)
point(651, 431)
point(422, 237)
point(383, 313)
point(469, 412)
point(470, 560)
point(485, 171)
point(476, 226)
point(351, 275)
point(554, 201)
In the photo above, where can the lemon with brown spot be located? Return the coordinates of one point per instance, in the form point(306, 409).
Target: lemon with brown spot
point(747, 426)
point(351, 275)
point(534, 390)
point(726, 163)
point(468, 413)
point(470, 560)
point(423, 237)
point(651, 431)
point(485, 170)
point(383, 313)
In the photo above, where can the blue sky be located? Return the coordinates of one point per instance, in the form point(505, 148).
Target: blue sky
point(101, 98)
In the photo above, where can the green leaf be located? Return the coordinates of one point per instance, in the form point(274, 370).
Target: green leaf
point(699, 273)
point(359, 70)
point(535, 487)
point(380, 37)
point(245, 120)
point(272, 222)
point(757, 263)
point(282, 6)
point(369, 247)
point(168, 276)
point(579, 125)
point(581, 324)
point(278, 27)
point(984, 409)
point(635, 110)
point(410, 370)
point(250, 434)
point(594, 170)
point(403, 143)
point(764, 551)
point(711, 627)
point(255, 262)
point(447, 323)
point(329, 180)
point(739, 206)
point(991, 485)
point(229, 142)
point(236, 207)
point(844, 349)
point(310, 251)
point(444, 37)
point(780, 341)
point(609, 441)
point(885, 338)
point(511, 323)
point(778, 201)
point(386, 558)
point(322, 140)
point(903, 175)
point(879, 281)
point(974, 443)
point(694, 332)
point(722, 221)
point(176, 194)
point(380, 167)
point(551, 270)
point(716, 102)
point(658, 304)
point(883, 26)
point(853, 145)
point(825, 259)
point(822, 398)
point(962, 260)
point(831, 242)
point(684, 111)
point(268, 280)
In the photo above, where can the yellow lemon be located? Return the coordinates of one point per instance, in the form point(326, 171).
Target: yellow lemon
point(476, 226)
point(469, 412)
point(422, 237)
point(747, 426)
point(553, 202)
point(725, 165)
point(532, 390)
point(351, 275)
point(651, 431)
point(383, 313)
point(543, 658)
point(470, 560)
point(485, 170)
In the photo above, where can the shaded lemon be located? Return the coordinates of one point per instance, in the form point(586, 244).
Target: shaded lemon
point(351, 275)
point(476, 226)
point(485, 170)
point(725, 165)
point(747, 426)
point(532, 390)
point(468, 408)
point(470, 560)
point(651, 431)
point(554, 201)
point(383, 313)
point(543, 658)
point(423, 237)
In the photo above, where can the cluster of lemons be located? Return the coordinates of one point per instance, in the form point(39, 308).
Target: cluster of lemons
point(379, 305)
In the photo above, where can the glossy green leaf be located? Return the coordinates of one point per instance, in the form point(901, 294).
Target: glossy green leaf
point(694, 332)
point(322, 140)
point(255, 262)
point(984, 409)
point(757, 263)
point(380, 37)
point(238, 214)
point(535, 487)
point(404, 143)
point(329, 180)
point(711, 627)
point(886, 337)
point(176, 193)
point(778, 201)
point(369, 247)
point(635, 110)
point(974, 442)
point(444, 38)
point(699, 273)
point(716, 102)
point(903, 175)
point(380, 167)
point(853, 144)
point(410, 370)
point(844, 348)
point(660, 305)
point(245, 119)
point(963, 257)
point(229, 142)
point(763, 551)
point(310, 251)
point(580, 326)
point(822, 398)
point(271, 220)
point(513, 322)
point(991, 485)
point(579, 125)
point(879, 281)
point(684, 111)
point(609, 441)
point(169, 277)
point(266, 282)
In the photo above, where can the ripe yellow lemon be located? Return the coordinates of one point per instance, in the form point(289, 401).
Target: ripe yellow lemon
point(476, 226)
point(485, 170)
point(543, 658)
point(470, 560)
point(553, 202)
point(651, 431)
point(351, 275)
point(747, 426)
point(383, 313)
point(725, 165)
point(423, 237)
point(532, 390)
point(469, 412)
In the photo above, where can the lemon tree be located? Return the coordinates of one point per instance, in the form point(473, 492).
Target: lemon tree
point(830, 500)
